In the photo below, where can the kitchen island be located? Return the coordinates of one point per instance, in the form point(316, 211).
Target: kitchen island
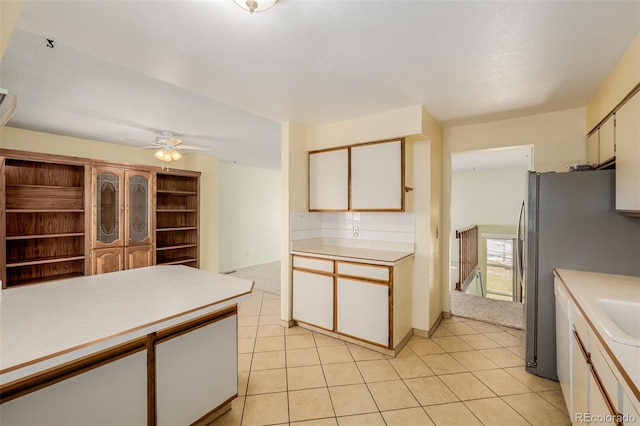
point(154, 345)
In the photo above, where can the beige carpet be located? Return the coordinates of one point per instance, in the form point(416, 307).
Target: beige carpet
point(266, 276)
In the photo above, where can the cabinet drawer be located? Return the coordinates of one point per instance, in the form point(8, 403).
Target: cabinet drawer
point(608, 380)
point(581, 327)
point(380, 273)
point(322, 265)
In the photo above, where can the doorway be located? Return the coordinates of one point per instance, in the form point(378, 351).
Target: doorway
point(487, 189)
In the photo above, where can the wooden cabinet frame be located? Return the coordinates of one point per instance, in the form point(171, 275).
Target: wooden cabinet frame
point(403, 189)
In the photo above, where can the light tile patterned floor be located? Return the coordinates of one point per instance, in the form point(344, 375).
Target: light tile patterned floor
point(469, 373)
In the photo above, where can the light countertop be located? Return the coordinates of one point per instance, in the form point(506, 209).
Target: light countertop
point(585, 288)
point(44, 325)
point(384, 257)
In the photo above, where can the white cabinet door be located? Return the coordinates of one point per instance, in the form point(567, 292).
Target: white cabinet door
point(363, 310)
point(196, 372)
point(593, 148)
point(313, 299)
point(563, 341)
point(607, 140)
point(579, 378)
point(598, 406)
point(329, 180)
point(376, 176)
point(628, 155)
point(113, 394)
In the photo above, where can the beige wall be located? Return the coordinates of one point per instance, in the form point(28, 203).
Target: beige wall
point(9, 13)
point(27, 140)
point(386, 125)
point(558, 140)
point(294, 189)
point(624, 77)
point(485, 197)
point(249, 216)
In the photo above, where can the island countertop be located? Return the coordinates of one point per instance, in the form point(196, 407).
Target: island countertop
point(48, 324)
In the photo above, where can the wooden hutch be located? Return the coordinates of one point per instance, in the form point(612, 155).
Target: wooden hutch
point(63, 217)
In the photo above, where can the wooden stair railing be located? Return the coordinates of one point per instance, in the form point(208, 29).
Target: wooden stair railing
point(468, 253)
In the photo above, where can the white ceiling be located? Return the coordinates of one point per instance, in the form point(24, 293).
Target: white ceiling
point(128, 69)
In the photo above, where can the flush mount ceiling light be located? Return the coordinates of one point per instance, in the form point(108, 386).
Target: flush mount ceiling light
point(255, 5)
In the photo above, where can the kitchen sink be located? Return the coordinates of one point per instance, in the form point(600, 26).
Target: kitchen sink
point(621, 320)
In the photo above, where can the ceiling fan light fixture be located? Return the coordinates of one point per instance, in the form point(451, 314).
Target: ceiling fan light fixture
point(254, 5)
point(175, 155)
point(159, 154)
point(167, 157)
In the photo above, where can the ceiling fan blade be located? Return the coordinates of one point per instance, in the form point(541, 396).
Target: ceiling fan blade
point(149, 147)
point(136, 141)
point(193, 148)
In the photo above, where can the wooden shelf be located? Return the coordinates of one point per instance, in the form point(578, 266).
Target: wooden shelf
point(44, 228)
point(45, 210)
point(184, 246)
point(37, 280)
point(44, 260)
point(41, 236)
point(164, 191)
point(46, 187)
point(178, 261)
point(177, 220)
point(183, 228)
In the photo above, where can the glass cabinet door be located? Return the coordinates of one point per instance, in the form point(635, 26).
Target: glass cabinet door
point(138, 208)
point(108, 228)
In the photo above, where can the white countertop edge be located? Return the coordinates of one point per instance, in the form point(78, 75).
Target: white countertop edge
point(626, 356)
point(315, 252)
point(94, 347)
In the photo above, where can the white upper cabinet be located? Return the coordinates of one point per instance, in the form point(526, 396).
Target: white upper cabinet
point(329, 180)
point(628, 155)
point(593, 148)
point(365, 177)
point(376, 176)
point(607, 140)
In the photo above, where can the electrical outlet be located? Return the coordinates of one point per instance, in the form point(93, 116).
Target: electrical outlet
point(356, 231)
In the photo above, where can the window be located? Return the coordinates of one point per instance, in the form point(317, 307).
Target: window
point(500, 267)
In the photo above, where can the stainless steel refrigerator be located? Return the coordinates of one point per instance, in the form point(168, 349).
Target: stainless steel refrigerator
point(568, 221)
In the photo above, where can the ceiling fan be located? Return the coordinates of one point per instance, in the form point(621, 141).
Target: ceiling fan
point(168, 147)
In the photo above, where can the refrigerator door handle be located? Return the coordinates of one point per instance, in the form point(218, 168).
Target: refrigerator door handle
point(520, 244)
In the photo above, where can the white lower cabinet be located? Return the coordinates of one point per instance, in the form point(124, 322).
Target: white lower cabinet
point(313, 298)
point(195, 372)
point(360, 300)
point(113, 394)
point(596, 394)
point(599, 408)
point(363, 310)
point(579, 377)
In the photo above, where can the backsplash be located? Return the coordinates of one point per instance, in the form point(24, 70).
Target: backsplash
point(339, 226)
